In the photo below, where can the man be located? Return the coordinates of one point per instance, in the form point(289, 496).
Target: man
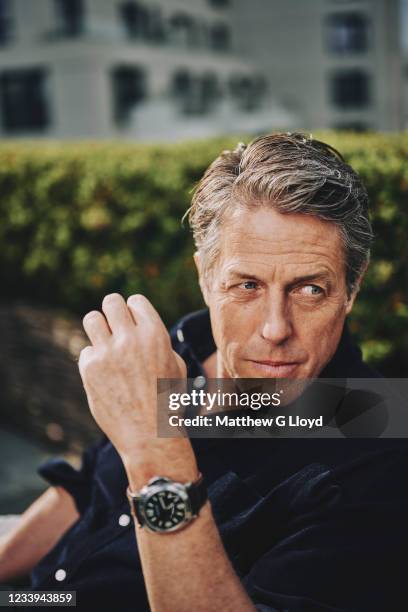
point(282, 234)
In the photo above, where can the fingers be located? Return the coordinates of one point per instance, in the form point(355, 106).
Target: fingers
point(120, 317)
point(99, 328)
point(96, 328)
point(143, 311)
point(117, 313)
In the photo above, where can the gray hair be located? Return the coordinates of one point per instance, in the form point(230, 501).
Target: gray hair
point(293, 174)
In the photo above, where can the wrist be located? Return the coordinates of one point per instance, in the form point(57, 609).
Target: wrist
point(163, 505)
point(175, 460)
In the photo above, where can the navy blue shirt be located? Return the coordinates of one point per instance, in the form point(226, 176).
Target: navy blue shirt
point(309, 524)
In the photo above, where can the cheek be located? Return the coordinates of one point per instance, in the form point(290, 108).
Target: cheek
point(230, 322)
point(318, 317)
point(320, 332)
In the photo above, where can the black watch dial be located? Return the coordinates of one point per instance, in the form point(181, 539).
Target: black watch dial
point(164, 510)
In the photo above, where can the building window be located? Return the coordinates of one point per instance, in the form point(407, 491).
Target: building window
point(24, 105)
point(219, 4)
point(248, 91)
point(135, 19)
point(157, 27)
point(210, 91)
point(220, 37)
point(129, 89)
point(6, 22)
point(69, 17)
point(183, 30)
point(142, 23)
point(195, 94)
point(350, 89)
point(347, 33)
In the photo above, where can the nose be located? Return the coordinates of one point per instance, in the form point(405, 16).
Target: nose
point(276, 325)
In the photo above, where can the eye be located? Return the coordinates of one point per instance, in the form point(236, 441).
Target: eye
point(249, 285)
point(311, 290)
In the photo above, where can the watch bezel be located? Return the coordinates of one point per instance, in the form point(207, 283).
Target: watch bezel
point(156, 485)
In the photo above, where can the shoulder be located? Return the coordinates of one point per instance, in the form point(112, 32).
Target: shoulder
point(191, 337)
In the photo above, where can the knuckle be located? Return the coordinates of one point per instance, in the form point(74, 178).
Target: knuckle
point(91, 360)
point(85, 350)
point(84, 359)
point(93, 314)
point(83, 355)
point(137, 298)
point(94, 367)
point(111, 297)
point(125, 342)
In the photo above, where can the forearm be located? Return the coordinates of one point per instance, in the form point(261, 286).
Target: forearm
point(39, 529)
point(189, 569)
point(131, 350)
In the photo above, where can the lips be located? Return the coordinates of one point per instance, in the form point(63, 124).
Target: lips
point(275, 369)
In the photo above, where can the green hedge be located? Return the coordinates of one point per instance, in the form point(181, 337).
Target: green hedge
point(81, 220)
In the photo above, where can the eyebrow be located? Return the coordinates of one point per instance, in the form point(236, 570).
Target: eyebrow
point(321, 275)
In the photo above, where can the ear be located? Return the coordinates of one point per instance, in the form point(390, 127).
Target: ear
point(352, 298)
point(201, 280)
point(350, 301)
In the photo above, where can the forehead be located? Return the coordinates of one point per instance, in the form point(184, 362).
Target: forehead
point(263, 237)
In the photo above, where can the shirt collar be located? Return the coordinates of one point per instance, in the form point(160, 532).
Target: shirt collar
point(194, 331)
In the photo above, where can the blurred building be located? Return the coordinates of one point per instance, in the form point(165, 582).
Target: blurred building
point(168, 69)
point(335, 63)
point(151, 69)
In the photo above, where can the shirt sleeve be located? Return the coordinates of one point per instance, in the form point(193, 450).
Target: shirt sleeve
point(78, 483)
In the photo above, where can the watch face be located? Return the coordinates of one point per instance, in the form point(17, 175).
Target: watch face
point(165, 510)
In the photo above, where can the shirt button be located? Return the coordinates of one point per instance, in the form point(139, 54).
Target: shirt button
point(124, 520)
point(60, 575)
point(199, 382)
point(180, 335)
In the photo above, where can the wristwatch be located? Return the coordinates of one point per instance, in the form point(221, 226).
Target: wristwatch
point(164, 505)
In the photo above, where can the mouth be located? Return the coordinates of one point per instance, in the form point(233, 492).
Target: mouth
point(275, 369)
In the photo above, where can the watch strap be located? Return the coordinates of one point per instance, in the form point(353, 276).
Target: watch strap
point(134, 509)
point(197, 492)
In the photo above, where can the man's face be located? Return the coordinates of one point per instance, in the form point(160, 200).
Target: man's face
point(277, 296)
